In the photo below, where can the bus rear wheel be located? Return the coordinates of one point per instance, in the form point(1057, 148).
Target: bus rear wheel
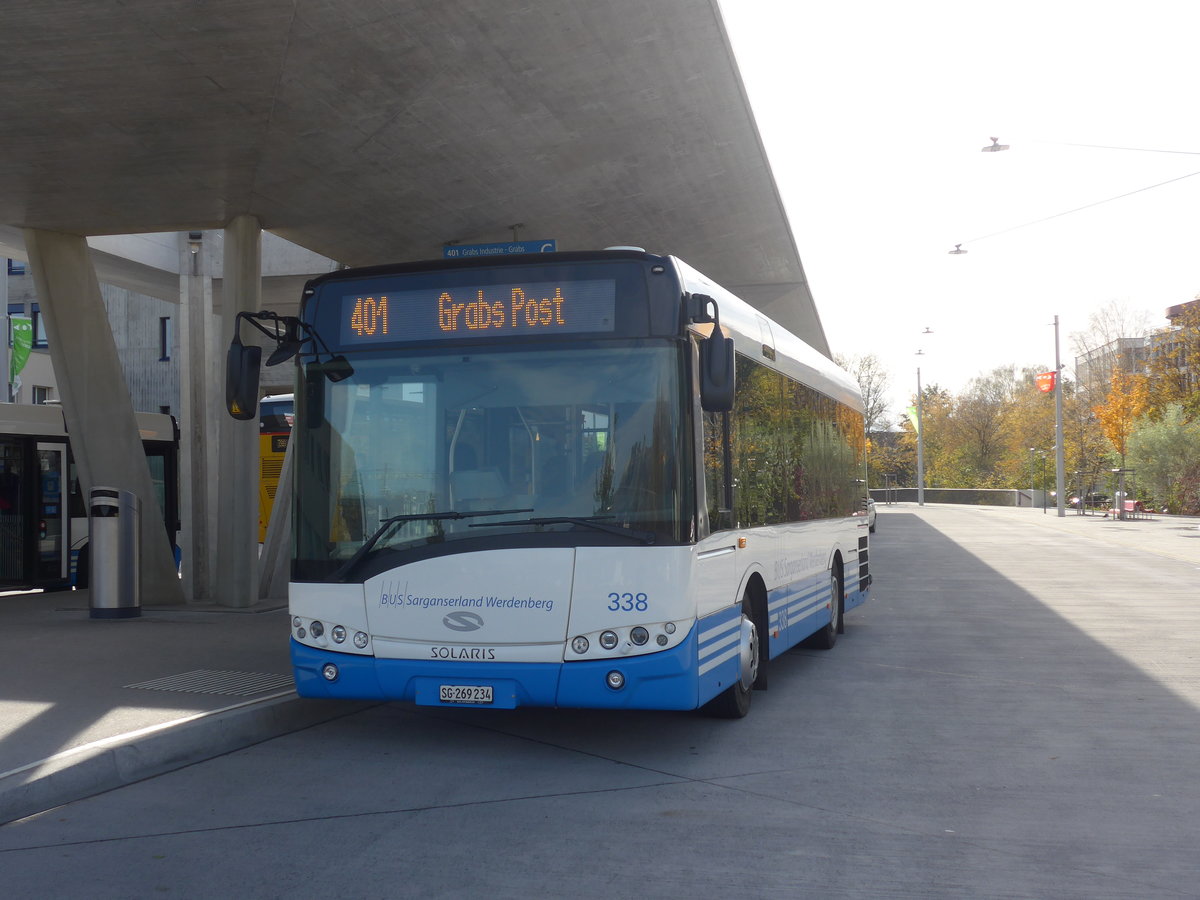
point(827, 636)
point(734, 701)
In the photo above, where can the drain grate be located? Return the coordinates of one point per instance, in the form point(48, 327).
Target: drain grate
point(216, 681)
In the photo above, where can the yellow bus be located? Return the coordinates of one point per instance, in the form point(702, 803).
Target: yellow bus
point(274, 429)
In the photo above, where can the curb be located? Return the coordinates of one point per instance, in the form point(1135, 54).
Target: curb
point(127, 758)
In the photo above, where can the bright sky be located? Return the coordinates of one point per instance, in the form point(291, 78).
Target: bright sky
point(873, 114)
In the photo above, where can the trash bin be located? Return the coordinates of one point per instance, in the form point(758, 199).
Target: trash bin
point(114, 526)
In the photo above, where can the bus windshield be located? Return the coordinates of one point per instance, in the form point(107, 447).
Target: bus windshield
point(552, 434)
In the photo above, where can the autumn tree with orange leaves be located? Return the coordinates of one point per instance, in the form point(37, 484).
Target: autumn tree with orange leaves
point(1128, 400)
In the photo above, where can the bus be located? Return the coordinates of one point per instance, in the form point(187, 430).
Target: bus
point(43, 510)
point(587, 479)
point(274, 429)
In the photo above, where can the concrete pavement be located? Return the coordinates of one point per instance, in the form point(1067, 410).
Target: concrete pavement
point(1175, 537)
point(88, 705)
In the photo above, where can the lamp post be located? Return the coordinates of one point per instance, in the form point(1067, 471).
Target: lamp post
point(1042, 454)
point(1032, 477)
point(1059, 462)
point(920, 446)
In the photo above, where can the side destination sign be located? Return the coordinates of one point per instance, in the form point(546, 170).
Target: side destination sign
point(470, 251)
point(471, 311)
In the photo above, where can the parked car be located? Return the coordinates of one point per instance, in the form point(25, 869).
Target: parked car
point(871, 515)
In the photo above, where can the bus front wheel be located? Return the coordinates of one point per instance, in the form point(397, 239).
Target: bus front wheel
point(734, 701)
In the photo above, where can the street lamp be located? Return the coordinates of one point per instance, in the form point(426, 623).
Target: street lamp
point(1059, 462)
point(1032, 479)
point(920, 433)
point(920, 446)
point(1042, 454)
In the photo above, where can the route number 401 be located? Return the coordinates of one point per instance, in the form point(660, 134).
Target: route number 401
point(628, 602)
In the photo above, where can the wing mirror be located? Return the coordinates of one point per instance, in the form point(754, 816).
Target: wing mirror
point(717, 369)
point(242, 362)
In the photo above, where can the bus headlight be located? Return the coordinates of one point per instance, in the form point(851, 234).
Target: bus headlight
point(360, 640)
point(329, 671)
point(316, 629)
point(615, 680)
point(338, 634)
point(580, 645)
point(608, 639)
point(639, 635)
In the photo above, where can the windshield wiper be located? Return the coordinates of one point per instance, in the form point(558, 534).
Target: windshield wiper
point(387, 523)
point(646, 537)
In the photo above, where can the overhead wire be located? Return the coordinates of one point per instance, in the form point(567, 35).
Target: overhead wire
point(1080, 208)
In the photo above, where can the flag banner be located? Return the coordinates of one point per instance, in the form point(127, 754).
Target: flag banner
point(1045, 382)
point(912, 417)
point(22, 343)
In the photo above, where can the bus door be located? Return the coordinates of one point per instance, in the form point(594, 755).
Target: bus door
point(50, 515)
point(12, 512)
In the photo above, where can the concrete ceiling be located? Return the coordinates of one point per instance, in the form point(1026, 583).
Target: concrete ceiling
point(371, 131)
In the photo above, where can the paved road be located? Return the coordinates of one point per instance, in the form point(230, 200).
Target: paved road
point(1015, 714)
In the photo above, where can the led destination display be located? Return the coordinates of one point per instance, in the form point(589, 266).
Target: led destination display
point(477, 311)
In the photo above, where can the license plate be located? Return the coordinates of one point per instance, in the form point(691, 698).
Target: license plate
point(465, 693)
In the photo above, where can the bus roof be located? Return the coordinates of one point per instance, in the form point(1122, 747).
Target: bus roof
point(752, 330)
point(47, 420)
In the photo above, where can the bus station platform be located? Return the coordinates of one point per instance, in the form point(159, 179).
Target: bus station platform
point(89, 705)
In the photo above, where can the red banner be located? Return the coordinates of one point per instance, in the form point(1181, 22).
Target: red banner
point(1045, 382)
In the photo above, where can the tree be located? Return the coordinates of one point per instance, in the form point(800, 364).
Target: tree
point(1127, 401)
point(941, 463)
point(1028, 422)
point(891, 453)
point(873, 382)
point(978, 424)
point(1166, 455)
point(1110, 322)
point(1105, 345)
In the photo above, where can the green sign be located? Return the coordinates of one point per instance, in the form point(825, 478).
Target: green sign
point(22, 343)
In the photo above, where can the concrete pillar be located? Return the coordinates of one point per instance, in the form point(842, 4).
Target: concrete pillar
point(237, 500)
point(200, 397)
point(96, 405)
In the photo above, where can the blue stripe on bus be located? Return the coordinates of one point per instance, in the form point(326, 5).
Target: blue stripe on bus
point(718, 651)
point(796, 610)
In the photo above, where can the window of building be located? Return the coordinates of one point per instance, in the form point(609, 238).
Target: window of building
point(16, 267)
point(42, 395)
point(164, 338)
point(39, 329)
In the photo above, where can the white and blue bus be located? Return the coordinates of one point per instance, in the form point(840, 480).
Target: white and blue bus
point(590, 479)
point(43, 508)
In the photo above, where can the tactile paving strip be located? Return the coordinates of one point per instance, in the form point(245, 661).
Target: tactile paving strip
point(216, 681)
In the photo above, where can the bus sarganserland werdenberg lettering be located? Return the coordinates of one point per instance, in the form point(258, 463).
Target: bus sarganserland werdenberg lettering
point(575, 479)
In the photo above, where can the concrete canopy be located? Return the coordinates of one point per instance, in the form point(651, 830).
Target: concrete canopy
point(374, 132)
